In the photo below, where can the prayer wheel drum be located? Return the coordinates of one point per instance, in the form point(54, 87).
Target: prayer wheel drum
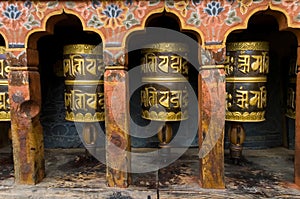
point(84, 89)
point(164, 95)
point(291, 90)
point(4, 100)
point(246, 67)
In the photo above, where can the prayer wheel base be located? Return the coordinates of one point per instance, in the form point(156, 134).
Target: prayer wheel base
point(236, 152)
point(237, 137)
point(165, 135)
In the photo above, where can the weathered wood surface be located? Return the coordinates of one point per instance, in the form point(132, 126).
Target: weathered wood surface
point(26, 129)
point(211, 139)
point(27, 135)
point(117, 128)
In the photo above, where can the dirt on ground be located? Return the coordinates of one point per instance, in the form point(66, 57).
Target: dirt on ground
point(73, 173)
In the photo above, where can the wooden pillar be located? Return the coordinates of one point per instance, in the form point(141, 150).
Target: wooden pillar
point(297, 122)
point(25, 103)
point(117, 120)
point(211, 96)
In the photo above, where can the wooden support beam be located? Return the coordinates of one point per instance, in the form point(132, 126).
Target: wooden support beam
point(212, 155)
point(117, 127)
point(27, 133)
point(211, 94)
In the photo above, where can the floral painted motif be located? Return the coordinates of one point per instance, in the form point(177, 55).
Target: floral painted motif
point(291, 7)
point(112, 11)
point(85, 9)
point(209, 16)
point(12, 12)
point(95, 22)
point(96, 3)
point(214, 14)
point(213, 8)
point(140, 9)
point(23, 14)
point(182, 6)
point(13, 16)
point(112, 15)
point(232, 18)
point(244, 4)
point(42, 7)
point(194, 19)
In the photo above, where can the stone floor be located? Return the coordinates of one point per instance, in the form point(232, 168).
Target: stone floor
point(71, 174)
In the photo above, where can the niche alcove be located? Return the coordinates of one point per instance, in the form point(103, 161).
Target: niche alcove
point(164, 27)
point(58, 132)
point(277, 129)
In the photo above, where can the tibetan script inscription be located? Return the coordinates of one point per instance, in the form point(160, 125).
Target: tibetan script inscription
point(246, 66)
point(83, 71)
point(151, 97)
point(153, 63)
point(165, 69)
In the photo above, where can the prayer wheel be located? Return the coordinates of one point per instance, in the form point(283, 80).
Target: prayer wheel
point(246, 67)
point(84, 87)
point(291, 90)
point(4, 101)
point(164, 96)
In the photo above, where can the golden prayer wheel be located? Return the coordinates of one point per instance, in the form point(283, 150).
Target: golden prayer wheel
point(4, 101)
point(84, 89)
point(291, 90)
point(246, 67)
point(164, 96)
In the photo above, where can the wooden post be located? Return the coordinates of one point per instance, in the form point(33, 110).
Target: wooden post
point(25, 103)
point(211, 85)
point(117, 125)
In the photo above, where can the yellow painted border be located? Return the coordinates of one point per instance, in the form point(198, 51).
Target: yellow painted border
point(246, 79)
point(208, 67)
point(83, 82)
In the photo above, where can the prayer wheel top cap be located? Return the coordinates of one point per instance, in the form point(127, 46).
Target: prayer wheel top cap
point(82, 48)
point(165, 47)
point(249, 45)
point(2, 49)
